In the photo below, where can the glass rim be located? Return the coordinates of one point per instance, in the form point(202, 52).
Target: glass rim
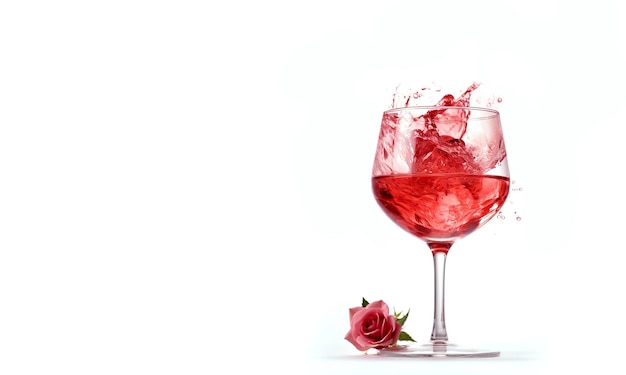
point(493, 112)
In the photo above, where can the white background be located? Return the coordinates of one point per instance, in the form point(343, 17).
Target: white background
point(184, 185)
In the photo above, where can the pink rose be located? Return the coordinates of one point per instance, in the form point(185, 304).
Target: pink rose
point(373, 327)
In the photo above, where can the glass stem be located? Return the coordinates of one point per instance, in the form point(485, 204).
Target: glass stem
point(440, 251)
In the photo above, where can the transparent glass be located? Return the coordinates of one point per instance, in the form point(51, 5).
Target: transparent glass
point(440, 173)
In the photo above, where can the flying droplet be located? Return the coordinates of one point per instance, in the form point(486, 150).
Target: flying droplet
point(519, 218)
point(501, 216)
point(499, 100)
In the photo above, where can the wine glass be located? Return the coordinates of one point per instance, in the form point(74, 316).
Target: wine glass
point(440, 173)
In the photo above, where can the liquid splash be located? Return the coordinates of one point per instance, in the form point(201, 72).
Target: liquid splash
point(512, 203)
point(440, 142)
point(475, 95)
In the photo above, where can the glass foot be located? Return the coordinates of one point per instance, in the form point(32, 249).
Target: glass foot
point(436, 349)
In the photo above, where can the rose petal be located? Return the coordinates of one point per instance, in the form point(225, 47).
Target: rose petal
point(379, 305)
point(354, 310)
point(352, 339)
point(359, 316)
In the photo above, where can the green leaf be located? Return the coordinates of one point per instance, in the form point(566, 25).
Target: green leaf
point(405, 337)
point(403, 319)
point(364, 302)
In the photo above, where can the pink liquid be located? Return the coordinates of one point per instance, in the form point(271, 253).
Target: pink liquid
point(440, 207)
point(441, 140)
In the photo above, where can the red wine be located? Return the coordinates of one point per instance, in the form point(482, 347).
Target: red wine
point(440, 207)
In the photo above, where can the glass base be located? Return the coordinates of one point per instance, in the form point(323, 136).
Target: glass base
point(436, 349)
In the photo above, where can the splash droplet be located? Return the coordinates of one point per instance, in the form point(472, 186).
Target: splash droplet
point(519, 218)
point(501, 216)
point(499, 100)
